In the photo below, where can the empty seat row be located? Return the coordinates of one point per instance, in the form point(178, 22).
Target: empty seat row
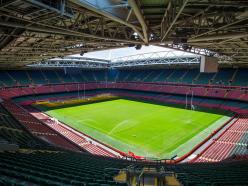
point(233, 140)
point(236, 77)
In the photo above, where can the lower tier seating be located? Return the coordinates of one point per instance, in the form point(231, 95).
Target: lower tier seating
point(233, 141)
point(55, 133)
point(64, 168)
point(78, 139)
point(57, 168)
point(15, 132)
point(232, 173)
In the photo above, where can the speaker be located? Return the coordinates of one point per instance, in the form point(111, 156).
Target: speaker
point(138, 47)
point(208, 64)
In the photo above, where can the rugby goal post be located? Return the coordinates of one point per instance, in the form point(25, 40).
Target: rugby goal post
point(192, 107)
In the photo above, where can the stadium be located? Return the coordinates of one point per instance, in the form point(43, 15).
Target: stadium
point(123, 92)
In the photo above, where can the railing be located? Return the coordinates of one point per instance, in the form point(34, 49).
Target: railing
point(147, 83)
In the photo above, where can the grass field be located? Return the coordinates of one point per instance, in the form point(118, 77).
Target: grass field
point(146, 129)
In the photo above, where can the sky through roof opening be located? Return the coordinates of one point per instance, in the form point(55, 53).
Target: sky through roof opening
point(112, 54)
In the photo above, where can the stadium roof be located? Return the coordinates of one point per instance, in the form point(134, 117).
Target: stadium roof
point(138, 60)
point(32, 30)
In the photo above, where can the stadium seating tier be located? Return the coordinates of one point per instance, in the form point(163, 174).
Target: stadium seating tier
point(188, 76)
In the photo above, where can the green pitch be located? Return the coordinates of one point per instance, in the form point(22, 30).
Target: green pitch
point(146, 129)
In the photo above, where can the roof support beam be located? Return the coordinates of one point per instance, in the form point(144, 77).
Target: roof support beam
point(54, 30)
point(140, 18)
point(168, 19)
point(7, 3)
point(108, 15)
point(219, 4)
point(220, 28)
point(192, 50)
point(218, 37)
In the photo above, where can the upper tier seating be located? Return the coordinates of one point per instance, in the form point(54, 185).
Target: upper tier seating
point(89, 76)
point(6, 80)
point(51, 76)
point(100, 76)
point(176, 76)
point(190, 76)
point(64, 77)
point(223, 77)
point(241, 78)
point(37, 77)
point(164, 77)
point(204, 78)
point(20, 77)
point(236, 77)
